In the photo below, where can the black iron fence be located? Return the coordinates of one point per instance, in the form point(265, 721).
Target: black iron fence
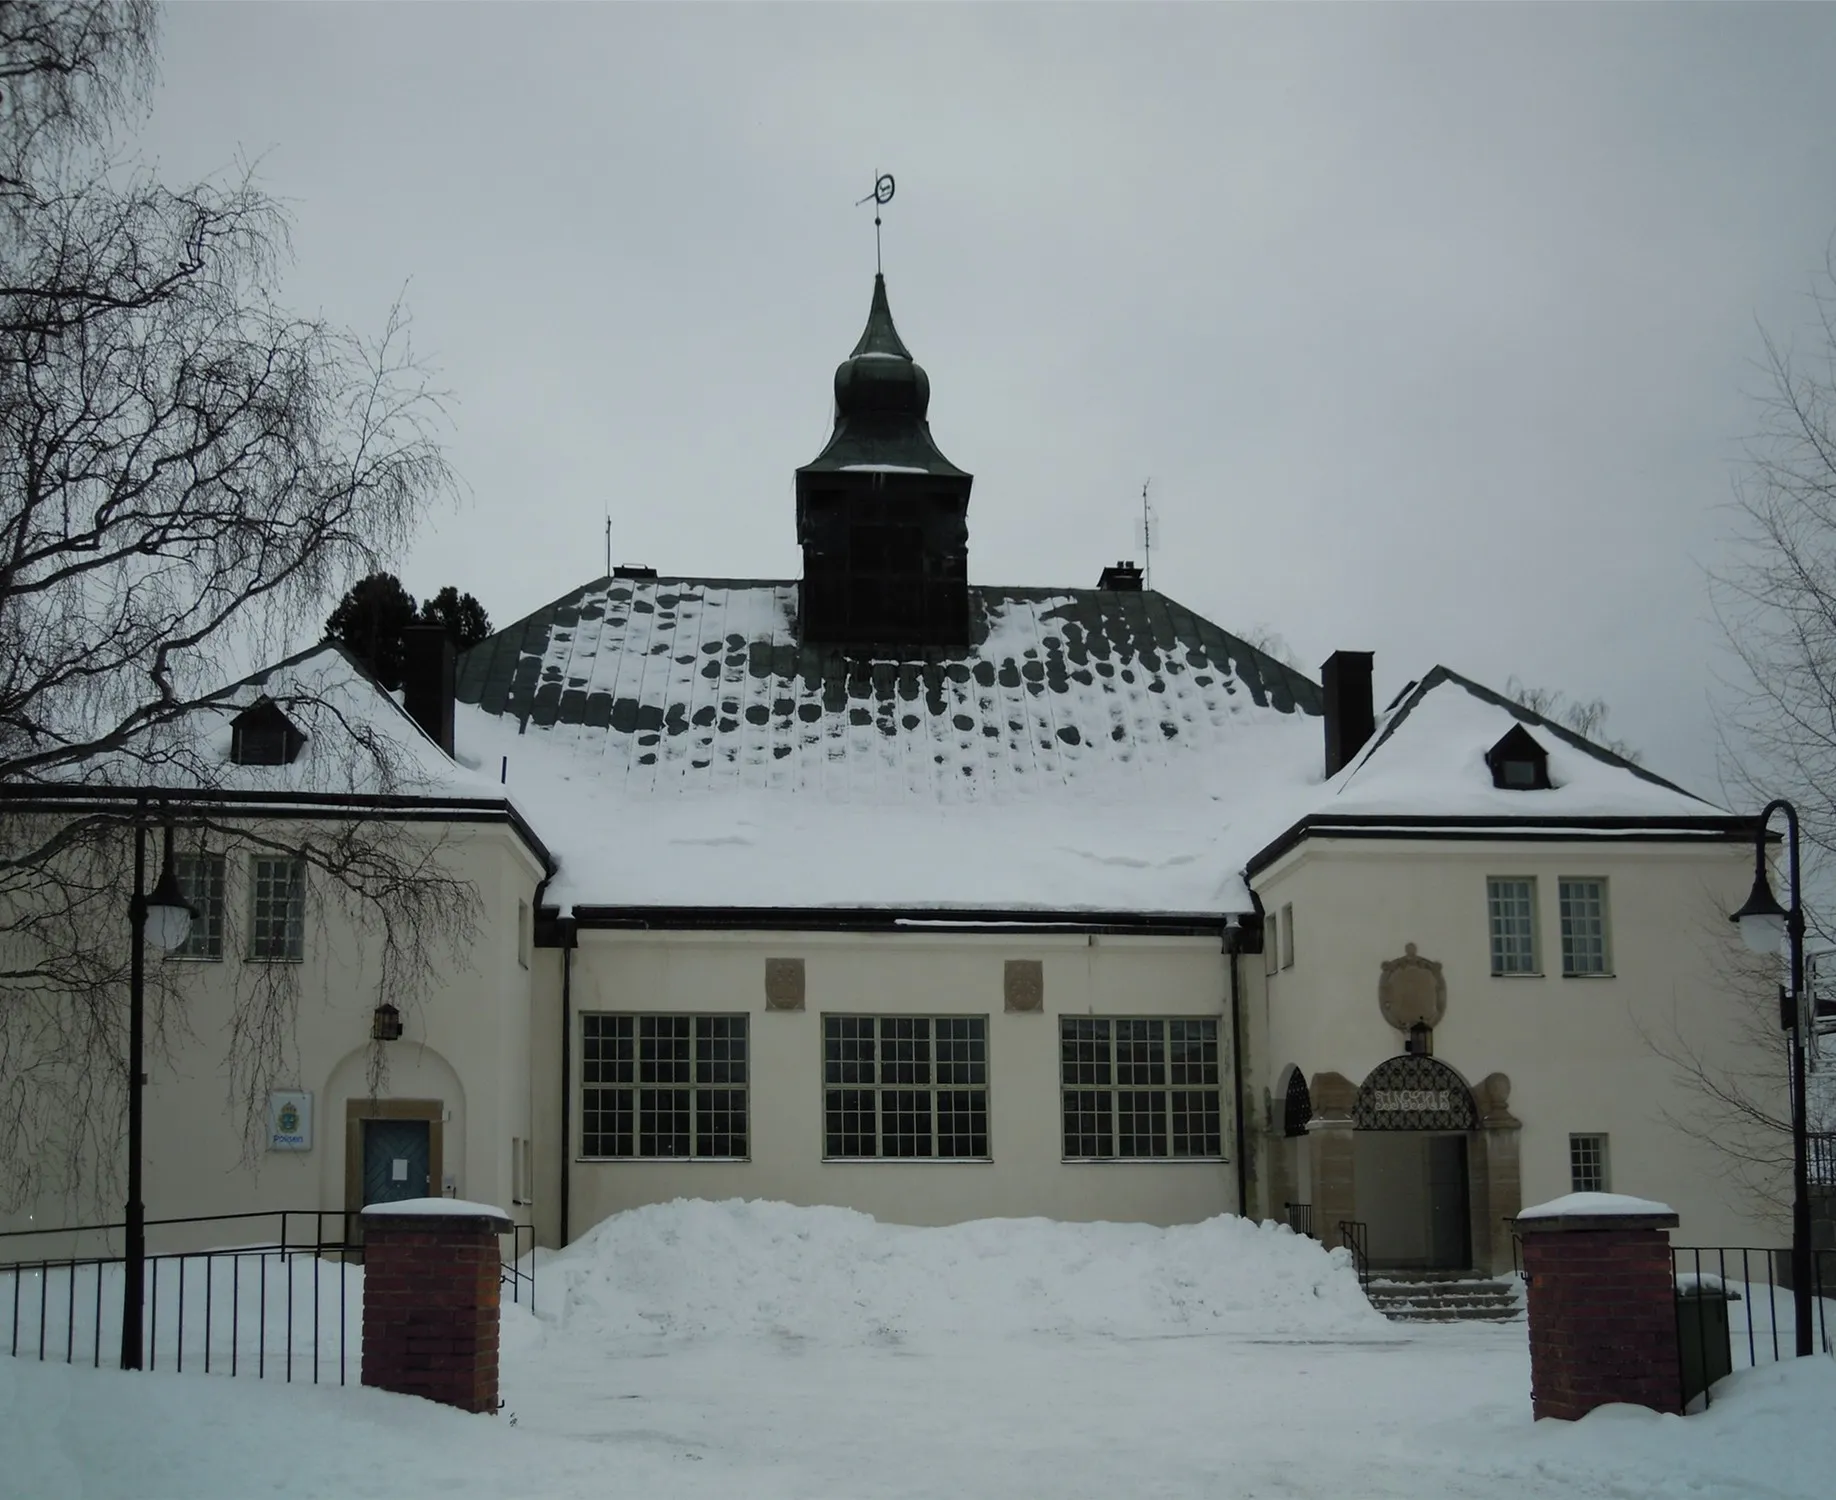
point(1355, 1236)
point(1300, 1218)
point(1736, 1309)
point(275, 1295)
point(1821, 1160)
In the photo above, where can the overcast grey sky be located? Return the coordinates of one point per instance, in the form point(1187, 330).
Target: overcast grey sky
point(1434, 327)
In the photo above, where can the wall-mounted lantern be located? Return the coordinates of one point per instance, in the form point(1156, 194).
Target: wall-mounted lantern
point(386, 1024)
point(1420, 1042)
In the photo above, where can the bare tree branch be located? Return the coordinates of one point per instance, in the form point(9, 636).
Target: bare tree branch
point(189, 473)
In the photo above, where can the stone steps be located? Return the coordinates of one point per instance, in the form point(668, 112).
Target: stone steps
point(1444, 1297)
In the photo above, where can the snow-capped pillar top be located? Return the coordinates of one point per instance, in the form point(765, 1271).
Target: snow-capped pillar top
point(1595, 1211)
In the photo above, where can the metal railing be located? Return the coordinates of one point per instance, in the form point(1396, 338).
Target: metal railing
point(520, 1281)
point(1300, 1218)
point(1355, 1236)
point(1821, 1160)
point(279, 1294)
point(1733, 1301)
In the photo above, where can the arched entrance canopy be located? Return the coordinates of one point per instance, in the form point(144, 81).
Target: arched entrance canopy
point(1414, 1093)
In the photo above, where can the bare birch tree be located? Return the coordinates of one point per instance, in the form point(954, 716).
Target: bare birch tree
point(1776, 595)
point(188, 473)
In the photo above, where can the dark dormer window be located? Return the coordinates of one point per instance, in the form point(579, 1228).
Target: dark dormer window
point(1518, 763)
point(261, 735)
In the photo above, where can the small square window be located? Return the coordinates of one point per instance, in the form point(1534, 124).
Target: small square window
point(1287, 936)
point(1583, 905)
point(1511, 911)
point(1587, 1163)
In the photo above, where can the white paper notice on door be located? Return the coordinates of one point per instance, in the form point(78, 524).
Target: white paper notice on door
point(398, 1170)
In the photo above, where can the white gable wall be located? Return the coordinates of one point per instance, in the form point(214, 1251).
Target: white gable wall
point(1579, 1052)
point(465, 1044)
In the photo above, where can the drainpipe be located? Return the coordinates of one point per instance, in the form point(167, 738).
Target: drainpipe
point(1236, 1075)
point(567, 1069)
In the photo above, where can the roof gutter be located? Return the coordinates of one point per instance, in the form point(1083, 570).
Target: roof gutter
point(898, 919)
point(1538, 828)
point(319, 806)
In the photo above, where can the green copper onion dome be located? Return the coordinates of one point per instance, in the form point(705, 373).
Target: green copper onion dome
point(881, 397)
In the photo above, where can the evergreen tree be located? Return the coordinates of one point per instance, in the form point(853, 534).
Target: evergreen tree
point(463, 616)
point(369, 622)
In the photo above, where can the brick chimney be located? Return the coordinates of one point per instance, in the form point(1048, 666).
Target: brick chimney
point(428, 681)
point(1350, 716)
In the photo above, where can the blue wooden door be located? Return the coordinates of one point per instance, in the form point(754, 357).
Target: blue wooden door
point(397, 1160)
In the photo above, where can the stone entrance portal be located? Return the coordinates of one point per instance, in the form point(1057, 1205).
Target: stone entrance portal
point(1412, 1117)
point(1428, 1164)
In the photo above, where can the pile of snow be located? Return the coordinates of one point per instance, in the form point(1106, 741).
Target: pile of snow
point(694, 1269)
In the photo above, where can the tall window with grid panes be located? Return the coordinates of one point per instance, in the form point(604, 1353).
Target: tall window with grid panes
point(277, 909)
point(1511, 911)
point(201, 879)
point(1583, 904)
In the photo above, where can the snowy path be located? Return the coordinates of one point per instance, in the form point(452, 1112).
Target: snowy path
point(1436, 1414)
point(997, 1361)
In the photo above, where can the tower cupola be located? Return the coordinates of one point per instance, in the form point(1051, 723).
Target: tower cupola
point(882, 515)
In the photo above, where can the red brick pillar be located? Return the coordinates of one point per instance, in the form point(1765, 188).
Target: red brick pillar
point(1603, 1304)
point(430, 1304)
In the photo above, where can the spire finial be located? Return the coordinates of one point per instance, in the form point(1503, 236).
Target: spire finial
point(882, 193)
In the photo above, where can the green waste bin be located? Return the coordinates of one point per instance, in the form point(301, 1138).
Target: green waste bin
point(1703, 1349)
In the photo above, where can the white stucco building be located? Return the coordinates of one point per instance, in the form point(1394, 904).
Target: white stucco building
point(941, 900)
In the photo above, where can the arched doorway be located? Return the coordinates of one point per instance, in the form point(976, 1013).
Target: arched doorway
point(1293, 1196)
point(1414, 1122)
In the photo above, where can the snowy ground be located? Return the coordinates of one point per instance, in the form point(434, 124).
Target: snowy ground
point(761, 1351)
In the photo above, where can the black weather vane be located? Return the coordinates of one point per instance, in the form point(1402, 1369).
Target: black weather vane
point(882, 193)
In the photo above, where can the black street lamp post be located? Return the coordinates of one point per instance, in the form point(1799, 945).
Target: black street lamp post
point(1763, 923)
point(163, 915)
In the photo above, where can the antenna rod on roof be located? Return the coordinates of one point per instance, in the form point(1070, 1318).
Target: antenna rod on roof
point(1147, 536)
point(882, 193)
point(608, 544)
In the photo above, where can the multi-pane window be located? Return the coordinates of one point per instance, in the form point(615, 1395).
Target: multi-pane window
point(277, 917)
point(1140, 1088)
point(1287, 936)
point(1584, 934)
point(1511, 905)
point(661, 1086)
point(1271, 943)
point(905, 1086)
point(1587, 1163)
point(200, 878)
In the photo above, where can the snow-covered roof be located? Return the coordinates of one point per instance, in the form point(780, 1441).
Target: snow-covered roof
point(359, 742)
point(1090, 751)
point(1078, 755)
point(1427, 756)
